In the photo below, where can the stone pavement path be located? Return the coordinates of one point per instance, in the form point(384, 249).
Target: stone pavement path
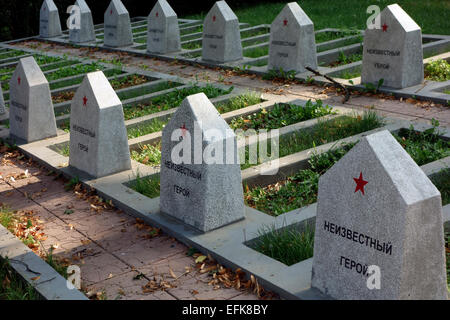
point(407, 109)
point(117, 254)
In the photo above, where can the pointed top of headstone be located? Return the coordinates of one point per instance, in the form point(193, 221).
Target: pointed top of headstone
point(291, 15)
point(49, 23)
point(49, 5)
point(393, 50)
point(387, 214)
point(292, 40)
point(400, 15)
point(83, 6)
point(28, 73)
point(406, 177)
point(117, 6)
point(96, 92)
point(221, 10)
point(162, 8)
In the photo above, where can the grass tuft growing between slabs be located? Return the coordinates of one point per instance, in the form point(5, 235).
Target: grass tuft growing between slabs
point(438, 70)
point(289, 245)
point(148, 154)
point(147, 186)
point(12, 286)
point(424, 147)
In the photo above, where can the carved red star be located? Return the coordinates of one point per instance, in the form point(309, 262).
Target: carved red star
point(285, 22)
point(183, 130)
point(85, 101)
point(360, 183)
point(18, 80)
point(110, 12)
point(157, 14)
point(385, 27)
point(214, 18)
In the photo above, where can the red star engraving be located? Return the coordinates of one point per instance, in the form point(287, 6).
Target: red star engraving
point(18, 80)
point(85, 101)
point(45, 8)
point(360, 183)
point(285, 22)
point(214, 18)
point(157, 14)
point(385, 27)
point(110, 12)
point(183, 130)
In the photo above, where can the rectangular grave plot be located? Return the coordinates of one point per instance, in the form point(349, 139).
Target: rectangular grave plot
point(147, 186)
point(141, 91)
point(289, 245)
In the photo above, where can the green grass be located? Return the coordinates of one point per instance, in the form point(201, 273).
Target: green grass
point(192, 45)
point(287, 245)
point(281, 115)
point(442, 181)
point(73, 71)
point(347, 14)
point(239, 102)
point(301, 188)
point(254, 33)
point(447, 91)
point(11, 54)
point(133, 93)
point(139, 130)
point(345, 59)
point(295, 191)
point(171, 100)
point(12, 287)
point(58, 65)
point(350, 75)
point(256, 52)
point(424, 147)
point(438, 70)
point(148, 154)
point(77, 80)
point(147, 186)
point(331, 35)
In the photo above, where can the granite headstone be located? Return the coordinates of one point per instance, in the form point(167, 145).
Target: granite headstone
point(31, 113)
point(82, 29)
point(292, 40)
point(379, 227)
point(394, 51)
point(2, 102)
point(117, 25)
point(98, 137)
point(200, 172)
point(163, 33)
point(49, 23)
point(221, 35)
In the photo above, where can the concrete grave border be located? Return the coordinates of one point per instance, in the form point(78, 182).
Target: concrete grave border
point(229, 245)
point(50, 285)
